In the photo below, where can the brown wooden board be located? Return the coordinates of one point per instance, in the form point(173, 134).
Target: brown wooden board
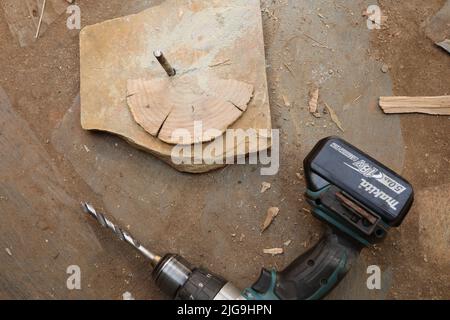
point(224, 38)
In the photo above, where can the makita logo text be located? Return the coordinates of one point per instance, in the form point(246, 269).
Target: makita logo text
point(377, 193)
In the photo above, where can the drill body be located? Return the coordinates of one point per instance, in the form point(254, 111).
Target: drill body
point(357, 197)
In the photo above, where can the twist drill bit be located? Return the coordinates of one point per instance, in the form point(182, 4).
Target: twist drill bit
point(123, 235)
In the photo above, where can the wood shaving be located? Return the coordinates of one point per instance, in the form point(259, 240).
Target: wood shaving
point(265, 186)
point(38, 31)
point(286, 102)
point(314, 102)
point(272, 213)
point(274, 251)
point(335, 118)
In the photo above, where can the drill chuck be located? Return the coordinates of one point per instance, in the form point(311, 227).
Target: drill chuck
point(171, 274)
point(179, 280)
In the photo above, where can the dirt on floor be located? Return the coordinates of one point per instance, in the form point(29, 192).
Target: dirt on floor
point(419, 68)
point(42, 82)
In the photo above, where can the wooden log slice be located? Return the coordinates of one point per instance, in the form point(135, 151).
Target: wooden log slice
point(187, 109)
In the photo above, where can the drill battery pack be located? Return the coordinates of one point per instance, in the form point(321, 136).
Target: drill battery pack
point(354, 193)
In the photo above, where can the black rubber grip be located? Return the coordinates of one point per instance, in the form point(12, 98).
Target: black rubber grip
point(315, 273)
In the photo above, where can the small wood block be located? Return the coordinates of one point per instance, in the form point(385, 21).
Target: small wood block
point(223, 38)
point(439, 105)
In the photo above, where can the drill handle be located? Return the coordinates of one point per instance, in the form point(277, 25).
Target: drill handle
point(312, 275)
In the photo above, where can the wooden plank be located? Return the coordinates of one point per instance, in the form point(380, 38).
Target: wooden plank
point(23, 17)
point(439, 105)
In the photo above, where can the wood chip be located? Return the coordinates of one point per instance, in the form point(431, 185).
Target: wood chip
point(272, 213)
point(274, 251)
point(334, 117)
point(265, 186)
point(8, 251)
point(288, 243)
point(128, 296)
point(439, 105)
point(313, 100)
point(286, 102)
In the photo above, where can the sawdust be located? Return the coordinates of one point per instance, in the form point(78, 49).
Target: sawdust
point(403, 44)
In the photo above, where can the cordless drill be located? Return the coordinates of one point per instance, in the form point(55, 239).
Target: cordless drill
point(358, 197)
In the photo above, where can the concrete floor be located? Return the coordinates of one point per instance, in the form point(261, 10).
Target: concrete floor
point(52, 165)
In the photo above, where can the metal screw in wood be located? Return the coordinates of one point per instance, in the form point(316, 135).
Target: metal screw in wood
point(164, 63)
